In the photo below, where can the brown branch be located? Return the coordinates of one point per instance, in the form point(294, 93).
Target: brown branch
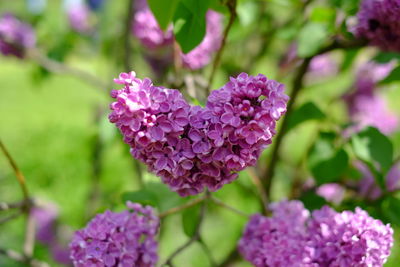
point(296, 87)
point(231, 4)
point(60, 68)
point(182, 207)
point(30, 230)
point(226, 206)
point(17, 171)
point(11, 217)
point(18, 257)
point(17, 205)
point(193, 239)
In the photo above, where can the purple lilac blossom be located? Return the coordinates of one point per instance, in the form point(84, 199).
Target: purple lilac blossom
point(322, 66)
point(192, 148)
point(15, 36)
point(331, 192)
point(378, 22)
point(291, 237)
point(78, 17)
point(45, 216)
point(147, 30)
point(368, 187)
point(367, 107)
point(122, 239)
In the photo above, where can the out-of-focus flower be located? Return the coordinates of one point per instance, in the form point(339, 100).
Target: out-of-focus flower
point(15, 36)
point(368, 187)
point(291, 237)
point(193, 148)
point(95, 4)
point(331, 192)
point(366, 107)
point(125, 238)
point(378, 22)
point(36, 6)
point(322, 66)
point(79, 18)
point(147, 30)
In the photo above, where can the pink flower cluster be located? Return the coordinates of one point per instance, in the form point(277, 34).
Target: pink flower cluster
point(15, 36)
point(123, 239)
point(190, 147)
point(367, 107)
point(378, 22)
point(79, 17)
point(146, 29)
point(293, 238)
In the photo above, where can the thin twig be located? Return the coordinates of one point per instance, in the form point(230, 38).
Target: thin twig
point(232, 257)
point(297, 86)
point(194, 238)
point(30, 230)
point(182, 207)
point(18, 257)
point(60, 68)
point(127, 36)
point(226, 206)
point(17, 171)
point(207, 251)
point(231, 4)
point(17, 205)
point(11, 217)
point(261, 190)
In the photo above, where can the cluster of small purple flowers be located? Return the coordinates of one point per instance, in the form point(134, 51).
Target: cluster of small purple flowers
point(15, 36)
point(190, 147)
point(378, 22)
point(79, 17)
point(121, 239)
point(147, 30)
point(291, 237)
point(367, 107)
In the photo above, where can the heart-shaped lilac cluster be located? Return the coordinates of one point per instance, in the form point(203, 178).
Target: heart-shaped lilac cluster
point(191, 147)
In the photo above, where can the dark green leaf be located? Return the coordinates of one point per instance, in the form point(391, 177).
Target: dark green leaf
point(166, 199)
point(373, 147)
point(349, 57)
point(311, 200)
point(163, 11)
point(391, 209)
point(190, 220)
point(308, 111)
point(311, 37)
point(392, 77)
point(143, 197)
point(385, 57)
point(190, 23)
point(326, 162)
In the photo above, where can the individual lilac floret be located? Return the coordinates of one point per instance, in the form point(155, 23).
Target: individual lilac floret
point(78, 17)
point(202, 54)
point(278, 241)
point(368, 187)
point(378, 22)
point(193, 148)
point(348, 238)
point(291, 237)
point(331, 192)
point(122, 239)
point(15, 36)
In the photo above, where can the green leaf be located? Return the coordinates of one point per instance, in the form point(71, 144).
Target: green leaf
point(391, 209)
point(385, 57)
point(392, 77)
point(373, 147)
point(312, 201)
point(311, 37)
point(326, 162)
point(306, 112)
point(190, 220)
point(323, 14)
point(166, 199)
point(163, 11)
point(142, 196)
point(190, 23)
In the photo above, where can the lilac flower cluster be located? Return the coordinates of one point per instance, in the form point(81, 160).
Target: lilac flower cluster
point(378, 22)
point(147, 30)
point(190, 147)
point(322, 66)
point(15, 36)
point(368, 187)
point(331, 192)
point(366, 107)
point(291, 237)
point(121, 239)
